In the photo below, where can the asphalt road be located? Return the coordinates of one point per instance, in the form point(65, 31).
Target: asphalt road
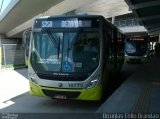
point(24, 103)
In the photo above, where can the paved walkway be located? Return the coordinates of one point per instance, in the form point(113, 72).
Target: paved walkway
point(13, 83)
point(140, 93)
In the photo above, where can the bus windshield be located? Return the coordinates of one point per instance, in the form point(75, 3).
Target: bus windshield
point(136, 47)
point(65, 51)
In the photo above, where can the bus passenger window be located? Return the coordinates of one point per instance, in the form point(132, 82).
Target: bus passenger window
point(90, 47)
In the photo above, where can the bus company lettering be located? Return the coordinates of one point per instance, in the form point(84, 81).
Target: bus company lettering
point(61, 74)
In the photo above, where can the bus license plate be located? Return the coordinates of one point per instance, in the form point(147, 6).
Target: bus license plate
point(60, 97)
point(75, 85)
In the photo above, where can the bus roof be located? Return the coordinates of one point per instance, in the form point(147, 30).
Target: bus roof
point(71, 16)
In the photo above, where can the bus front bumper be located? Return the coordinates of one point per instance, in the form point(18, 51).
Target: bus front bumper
point(94, 93)
point(135, 58)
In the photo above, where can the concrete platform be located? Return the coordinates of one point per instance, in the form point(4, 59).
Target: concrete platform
point(13, 83)
point(140, 93)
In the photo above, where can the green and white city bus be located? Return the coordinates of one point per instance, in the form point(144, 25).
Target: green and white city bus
point(136, 48)
point(72, 57)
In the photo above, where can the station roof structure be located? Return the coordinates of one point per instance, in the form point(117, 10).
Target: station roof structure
point(148, 13)
point(19, 11)
point(20, 14)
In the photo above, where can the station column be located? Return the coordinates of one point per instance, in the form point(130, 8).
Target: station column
point(159, 39)
point(113, 19)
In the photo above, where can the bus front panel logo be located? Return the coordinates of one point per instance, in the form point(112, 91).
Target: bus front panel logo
point(60, 85)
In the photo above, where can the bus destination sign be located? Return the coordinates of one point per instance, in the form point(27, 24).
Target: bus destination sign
point(69, 23)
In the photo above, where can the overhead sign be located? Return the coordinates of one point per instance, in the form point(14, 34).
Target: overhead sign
point(65, 23)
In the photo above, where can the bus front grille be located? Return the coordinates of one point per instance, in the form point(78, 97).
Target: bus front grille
point(62, 78)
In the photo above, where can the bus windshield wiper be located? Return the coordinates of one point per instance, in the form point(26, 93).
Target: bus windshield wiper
point(58, 46)
point(68, 50)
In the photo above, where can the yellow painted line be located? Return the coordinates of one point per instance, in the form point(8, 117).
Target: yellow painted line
point(143, 102)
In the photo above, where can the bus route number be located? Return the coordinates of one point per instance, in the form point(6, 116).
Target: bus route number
point(75, 85)
point(47, 24)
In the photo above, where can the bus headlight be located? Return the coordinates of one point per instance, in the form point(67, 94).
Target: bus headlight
point(145, 55)
point(33, 80)
point(94, 82)
point(125, 54)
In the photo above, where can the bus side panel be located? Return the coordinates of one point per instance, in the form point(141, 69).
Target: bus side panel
point(109, 57)
point(106, 55)
point(113, 55)
point(120, 52)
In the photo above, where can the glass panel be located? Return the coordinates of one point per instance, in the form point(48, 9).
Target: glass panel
point(129, 22)
point(65, 51)
point(86, 52)
point(46, 54)
point(135, 22)
point(122, 23)
point(130, 47)
point(138, 47)
point(116, 23)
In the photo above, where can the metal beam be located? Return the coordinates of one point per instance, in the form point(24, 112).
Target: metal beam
point(145, 4)
point(154, 29)
point(154, 32)
point(138, 17)
point(153, 26)
point(129, 2)
point(149, 17)
point(1, 6)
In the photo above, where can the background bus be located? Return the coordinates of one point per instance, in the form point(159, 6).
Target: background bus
point(136, 49)
point(72, 57)
point(26, 42)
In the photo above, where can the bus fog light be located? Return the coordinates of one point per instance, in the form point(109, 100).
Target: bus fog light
point(93, 83)
point(33, 80)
